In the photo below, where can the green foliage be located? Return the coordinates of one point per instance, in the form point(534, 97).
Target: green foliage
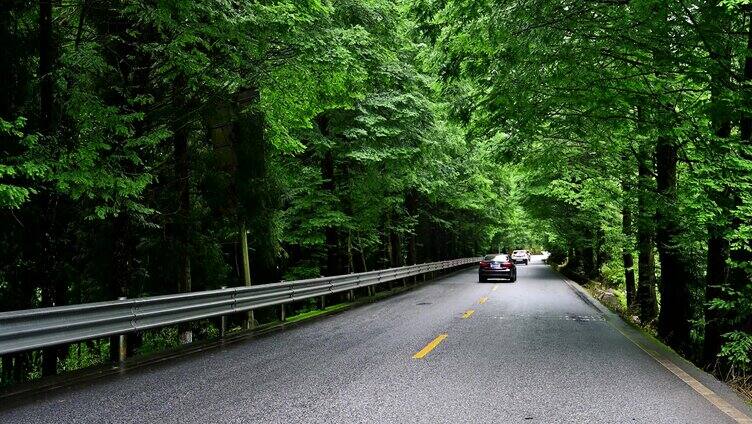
point(316, 126)
point(737, 350)
point(349, 135)
point(18, 169)
point(575, 95)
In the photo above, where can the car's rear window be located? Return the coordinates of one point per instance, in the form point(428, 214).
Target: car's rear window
point(497, 258)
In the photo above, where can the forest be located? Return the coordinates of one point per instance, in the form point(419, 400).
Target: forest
point(163, 146)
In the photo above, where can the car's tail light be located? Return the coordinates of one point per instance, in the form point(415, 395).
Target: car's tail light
point(485, 265)
point(508, 265)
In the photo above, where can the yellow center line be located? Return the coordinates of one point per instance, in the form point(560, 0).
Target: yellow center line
point(495, 287)
point(430, 346)
point(483, 300)
point(468, 313)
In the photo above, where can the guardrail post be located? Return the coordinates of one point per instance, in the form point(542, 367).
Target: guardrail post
point(122, 347)
point(223, 322)
point(323, 301)
point(250, 320)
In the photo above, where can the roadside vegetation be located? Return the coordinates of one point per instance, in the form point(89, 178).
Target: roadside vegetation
point(161, 147)
point(631, 125)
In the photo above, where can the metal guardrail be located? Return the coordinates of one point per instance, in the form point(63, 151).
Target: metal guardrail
point(44, 327)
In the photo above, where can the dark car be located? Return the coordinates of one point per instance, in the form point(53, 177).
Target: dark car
point(497, 266)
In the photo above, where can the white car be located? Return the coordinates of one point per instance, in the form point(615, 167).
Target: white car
point(521, 256)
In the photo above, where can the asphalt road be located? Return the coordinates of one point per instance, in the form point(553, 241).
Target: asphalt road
point(533, 351)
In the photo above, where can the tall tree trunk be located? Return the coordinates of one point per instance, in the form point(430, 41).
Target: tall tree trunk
point(717, 270)
point(745, 123)
point(258, 193)
point(182, 227)
point(121, 269)
point(347, 262)
point(250, 319)
point(395, 249)
point(673, 323)
point(411, 203)
point(244, 253)
point(646, 296)
point(627, 229)
point(331, 235)
point(350, 255)
point(236, 131)
point(627, 258)
point(715, 279)
point(46, 105)
point(588, 259)
point(362, 254)
point(741, 251)
point(46, 82)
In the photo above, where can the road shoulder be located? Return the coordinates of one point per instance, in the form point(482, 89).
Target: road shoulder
point(716, 392)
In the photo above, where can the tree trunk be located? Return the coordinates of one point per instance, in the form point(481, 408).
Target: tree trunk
point(717, 270)
point(588, 260)
point(646, 298)
point(121, 271)
point(673, 323)
point(236, 131)
point(182, 227)
point(411, 203)
point(395, 249)
point(627, 258)
point(46, 82)
point(244, 253)
point(628, 232)
point(250, 319)
point(331, 236)
point(717, 274)
point(46, 99)
point(350, 256)
point(741, 252)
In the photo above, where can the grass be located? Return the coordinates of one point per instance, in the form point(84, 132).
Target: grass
point(316, 312)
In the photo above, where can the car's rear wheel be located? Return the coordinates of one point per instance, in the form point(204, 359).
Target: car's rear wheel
point(525, 262)
point(482, 279)
point(514, 277)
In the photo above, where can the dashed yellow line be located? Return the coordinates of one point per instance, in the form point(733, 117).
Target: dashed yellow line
point(495, 287)
point(430, 346)
point(468, 313)
point(483, 300)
